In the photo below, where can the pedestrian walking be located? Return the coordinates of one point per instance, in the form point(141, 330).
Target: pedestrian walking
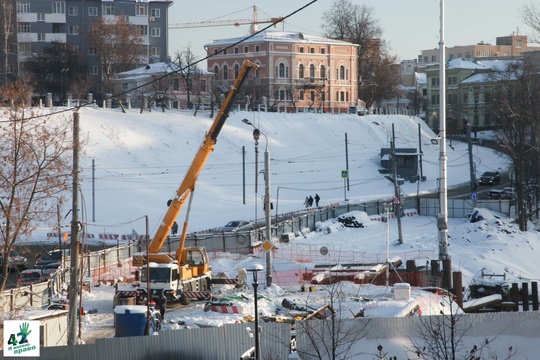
point(161, 303)
point(317, 198)
point(310, 201)
point(306, 202)
point(174, 228)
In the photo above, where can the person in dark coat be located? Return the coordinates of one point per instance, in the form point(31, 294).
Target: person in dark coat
point(174, 228)
point(317, 198)
point(306, 202)
point(310, 201)
point(161, 303)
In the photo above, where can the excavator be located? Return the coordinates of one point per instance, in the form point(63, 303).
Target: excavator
point(186, 273)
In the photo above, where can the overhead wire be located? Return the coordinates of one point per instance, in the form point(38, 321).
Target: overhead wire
point(173, 71)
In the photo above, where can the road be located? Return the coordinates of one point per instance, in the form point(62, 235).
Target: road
point(31, 252)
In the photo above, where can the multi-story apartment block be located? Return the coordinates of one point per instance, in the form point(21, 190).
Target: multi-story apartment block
point(40, 22)
point(508, 47)
point(297, 70)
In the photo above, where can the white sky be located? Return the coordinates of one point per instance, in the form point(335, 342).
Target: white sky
point(141, 159)
point(408, 26)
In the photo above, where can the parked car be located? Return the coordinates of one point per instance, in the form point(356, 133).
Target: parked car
point(237, 225)
point(15, 261)
point(490, 178)
point(358, 110)
point(31, 276)
point(508, 193)
point(54, 256)
point(51, 268)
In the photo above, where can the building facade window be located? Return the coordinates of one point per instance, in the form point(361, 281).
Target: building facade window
point(236, 50)
point(40, 16)
point(312, 95)
point(323, 96)
point(73, 10)
point(257, 48)
point(301, 50)
point(281, 70)
point(144, 30)
point(246, 49)
point(23, 27)
point(155, 51)
point(311, 73)
point(323, 51)
point(92, 50)
point(323, 72)
point(312, 50)
point(41, 37)
point(107, 9)
point(155, 13)
point(342, 73)
point(125, 86)
point(282, 95)
point(202, 85)
point(225, 72)
point(141, 10)
point(23, 7)
point(92, 11)
point(94, 70)
point(301, 71)
point(155, 32)
point(58, 7)
point(236, 70)
point(301, 95)
point(216, 72)
point(73, 30)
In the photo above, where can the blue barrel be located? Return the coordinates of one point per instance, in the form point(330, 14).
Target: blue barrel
point(129, 320)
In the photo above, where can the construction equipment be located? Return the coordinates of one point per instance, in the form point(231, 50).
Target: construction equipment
point(186, 273)
point(253, 22)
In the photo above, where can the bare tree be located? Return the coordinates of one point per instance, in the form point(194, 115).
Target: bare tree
point(530, 14)
point(513, 104)
point(188, 72)
point(36, 164)
point(357, 24)
point(335, 337)
point(7, 21)
point(119, 44)
point(55, 69)
point(442, 337)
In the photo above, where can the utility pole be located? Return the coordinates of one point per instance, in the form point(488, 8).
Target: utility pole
point(471, 165)
point(347, 161)
point(442, 218)
point(397, 199)
point(73, 285)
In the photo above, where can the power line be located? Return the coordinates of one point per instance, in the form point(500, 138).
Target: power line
point(278, 20)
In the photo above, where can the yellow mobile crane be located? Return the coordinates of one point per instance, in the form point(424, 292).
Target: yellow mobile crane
point(186, 273)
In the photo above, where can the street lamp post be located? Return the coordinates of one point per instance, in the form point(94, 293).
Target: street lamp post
point(254, 271)
point(267, 203)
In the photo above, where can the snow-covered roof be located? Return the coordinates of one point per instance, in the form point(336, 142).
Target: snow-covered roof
point(421, 78)
point(282, 36)
point(476, 64)
point(155, 68)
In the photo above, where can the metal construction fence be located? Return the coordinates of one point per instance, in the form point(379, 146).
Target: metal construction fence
point(113, 264)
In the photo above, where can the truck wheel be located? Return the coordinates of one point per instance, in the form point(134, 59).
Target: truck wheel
point(183, 299)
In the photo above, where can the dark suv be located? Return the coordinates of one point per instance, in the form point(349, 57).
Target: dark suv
point(51, 257)
point(490, 178)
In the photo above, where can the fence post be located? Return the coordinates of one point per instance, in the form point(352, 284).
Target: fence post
point(515, 296)
point(534, 290)
point(525, 295)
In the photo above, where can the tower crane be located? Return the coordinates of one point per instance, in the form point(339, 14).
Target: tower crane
point(253, 22)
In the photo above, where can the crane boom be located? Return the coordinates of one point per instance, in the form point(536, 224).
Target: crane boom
point(188, 184)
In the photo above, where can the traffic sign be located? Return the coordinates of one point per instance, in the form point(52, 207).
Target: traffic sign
point(474, 196)
point(267, 245)
point(345, 174)
point(396, 201)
